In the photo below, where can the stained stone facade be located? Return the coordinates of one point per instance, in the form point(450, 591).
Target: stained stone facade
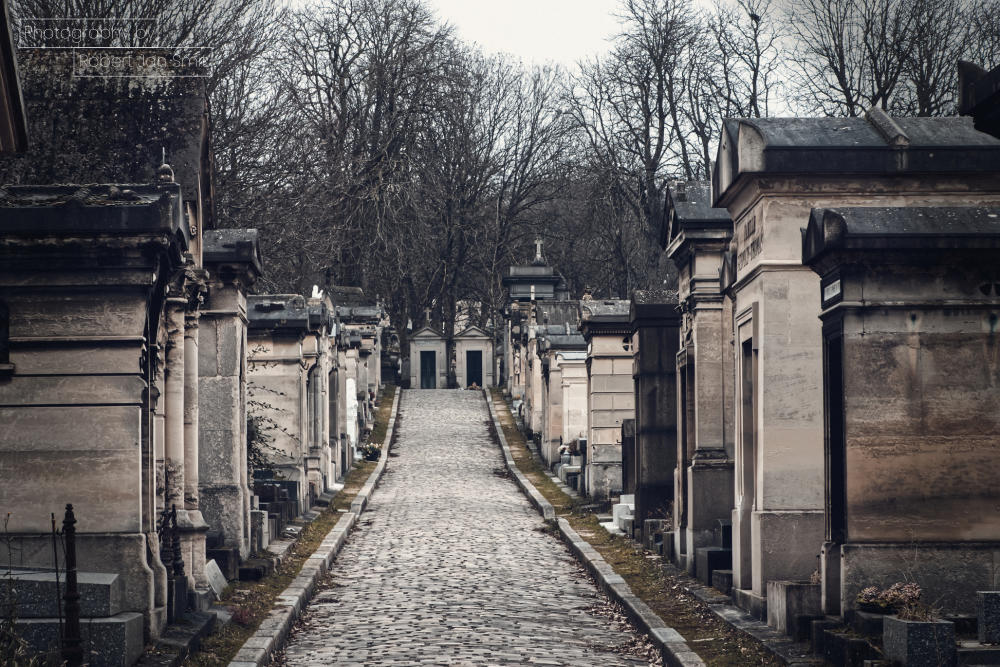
point(288, 370)
point(610, 392)
point(562, 353)
point(696, 237)
point(910, 312)
point(649, 468)
point(233, 261)
point(770, 174)
point(81, 427)
point(102, 285)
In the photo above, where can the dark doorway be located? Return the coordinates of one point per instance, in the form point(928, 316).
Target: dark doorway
point(428, 369)
point(836, 449)
point(474, 368)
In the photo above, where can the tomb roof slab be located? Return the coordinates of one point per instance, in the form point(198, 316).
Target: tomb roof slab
point(232, 246)
point(277, 312)
point(654, 308)
point(876, 145)
point(900, 228)
point(691, 216)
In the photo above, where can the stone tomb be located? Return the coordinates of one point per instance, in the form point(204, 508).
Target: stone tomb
point(563, 357)
point(696, 237)
point(770, 173)
point(283, 350)
point(428, 359)
point(655, 323)
point(610, 392)
point(83, 277)
point(525, 285)
point(102, 285)
point(474, 358)
point(911, 349)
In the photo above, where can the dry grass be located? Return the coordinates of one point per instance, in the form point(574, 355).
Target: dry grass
point(716, 642)
point(251, 601)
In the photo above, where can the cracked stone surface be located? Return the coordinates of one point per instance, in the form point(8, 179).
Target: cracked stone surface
point(451, 566)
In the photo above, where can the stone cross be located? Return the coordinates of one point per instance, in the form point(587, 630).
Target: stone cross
point(538, 249)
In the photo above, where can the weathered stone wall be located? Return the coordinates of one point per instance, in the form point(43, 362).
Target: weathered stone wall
point(611, 399)
point(573, 369)
point(552, 420)
point(276, 380)
point(225, 494)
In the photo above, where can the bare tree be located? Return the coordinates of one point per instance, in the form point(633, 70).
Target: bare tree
point(850, 55)
point(357, 76)
point(747, 55)
point(940, 36)
point(984, 38)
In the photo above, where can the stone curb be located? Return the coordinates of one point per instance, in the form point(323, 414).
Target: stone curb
point(270, 636)
point(543, 506)
point(671, 644)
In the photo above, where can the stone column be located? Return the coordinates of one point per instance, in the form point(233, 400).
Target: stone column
point(710, 475)
point(173, 459)
point(191, 411)
point(190, 521)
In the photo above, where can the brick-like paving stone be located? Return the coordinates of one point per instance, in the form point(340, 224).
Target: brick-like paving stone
point(451, 566)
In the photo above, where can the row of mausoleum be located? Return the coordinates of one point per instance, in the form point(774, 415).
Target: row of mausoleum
point(814, 411)
point(185, 419)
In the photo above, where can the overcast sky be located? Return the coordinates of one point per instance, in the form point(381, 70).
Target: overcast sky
point(561, 31)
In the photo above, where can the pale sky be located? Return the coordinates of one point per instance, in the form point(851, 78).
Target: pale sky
point(561, 31)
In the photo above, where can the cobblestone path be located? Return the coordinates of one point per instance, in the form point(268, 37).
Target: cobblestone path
point(450, 566)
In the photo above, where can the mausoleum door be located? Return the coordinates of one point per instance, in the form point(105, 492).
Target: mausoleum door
point(835, 446)
point(746, 473)
point(474, 368)
point(428, 369)
point(687, 442)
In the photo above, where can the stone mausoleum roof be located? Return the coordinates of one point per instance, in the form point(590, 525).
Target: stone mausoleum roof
point(887, 229)
point(232, 246)
point(876, 145)
point(691, 216)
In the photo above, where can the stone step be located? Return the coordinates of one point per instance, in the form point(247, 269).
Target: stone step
point(36, 595)
point(974, 653)
point(115, 641)
point(181, 639)
point(709, 559)
point(722, 580)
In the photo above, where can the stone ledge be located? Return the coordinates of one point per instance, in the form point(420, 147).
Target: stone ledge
point(778, 645)
point(270, 636)
point(672, 646)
